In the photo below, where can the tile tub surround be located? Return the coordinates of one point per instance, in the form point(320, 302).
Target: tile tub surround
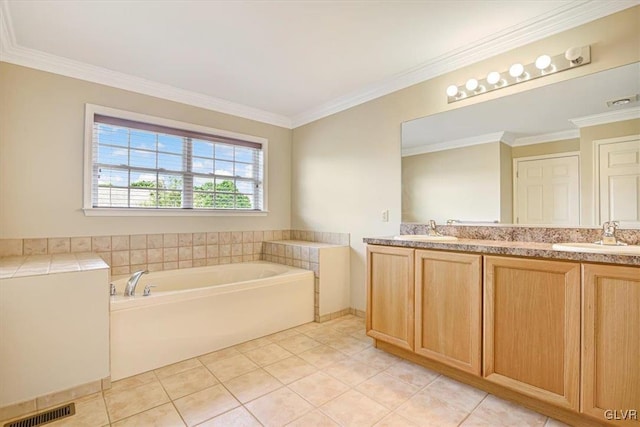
point(523, 233)
point(155, 252)
point(36, 265)
point(330, 265)
point(327, 374)
point(320, 237)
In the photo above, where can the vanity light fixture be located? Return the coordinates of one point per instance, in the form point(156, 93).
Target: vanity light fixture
point(516, 70)
point(544, 65)
point(543, 62)
point(494, 78)
point(452, 90)
point(574, 55)
point(472, 85)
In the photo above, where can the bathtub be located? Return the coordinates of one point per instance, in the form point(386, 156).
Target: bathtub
point(194, 311)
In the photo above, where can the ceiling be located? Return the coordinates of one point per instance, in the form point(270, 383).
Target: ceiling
point(281, 62)
point(547, 113)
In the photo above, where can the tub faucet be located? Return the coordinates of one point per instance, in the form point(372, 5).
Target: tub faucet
point(130, 289)
point(432, 229)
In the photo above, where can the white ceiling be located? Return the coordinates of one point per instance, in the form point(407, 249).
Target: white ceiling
point(284, 62)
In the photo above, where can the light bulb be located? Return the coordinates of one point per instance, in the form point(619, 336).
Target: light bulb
point(516, 70)
point(543, 62)
point(574, 54)
point(493, 77)
point(452, 90)
point(472, 84)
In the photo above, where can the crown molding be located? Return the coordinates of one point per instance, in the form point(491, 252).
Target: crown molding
point(505, 137)
point(608, 117)
point(547, 137)
point(569, 16)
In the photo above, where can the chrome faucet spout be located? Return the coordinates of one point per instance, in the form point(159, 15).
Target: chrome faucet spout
point(130, 289)
point(432, 229)
point(609, 234)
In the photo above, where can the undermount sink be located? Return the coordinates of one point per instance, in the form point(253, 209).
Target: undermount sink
point(597, 248)
point(426, 238)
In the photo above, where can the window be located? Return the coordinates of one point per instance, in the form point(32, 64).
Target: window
point(148, 164)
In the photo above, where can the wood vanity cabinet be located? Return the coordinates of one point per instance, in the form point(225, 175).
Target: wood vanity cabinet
point(390, 295)
point(532, 327)
point(449, 308)
point(611, 343)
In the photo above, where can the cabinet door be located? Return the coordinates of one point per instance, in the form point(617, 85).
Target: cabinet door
point(611, 343)
point(532, 327)
point(449, 308)
point(390, 295)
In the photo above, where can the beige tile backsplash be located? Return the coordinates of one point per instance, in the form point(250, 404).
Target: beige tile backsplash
point(128, 253)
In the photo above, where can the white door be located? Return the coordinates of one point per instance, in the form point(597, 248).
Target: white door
point(547, 190)
point(619, 180)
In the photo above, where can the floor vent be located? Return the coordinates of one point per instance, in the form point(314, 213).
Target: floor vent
point(44, 417)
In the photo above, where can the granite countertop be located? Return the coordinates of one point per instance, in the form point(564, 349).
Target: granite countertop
point(514, 248)
point(38, 265)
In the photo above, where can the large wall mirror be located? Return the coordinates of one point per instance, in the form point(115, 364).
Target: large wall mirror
point(562, 154)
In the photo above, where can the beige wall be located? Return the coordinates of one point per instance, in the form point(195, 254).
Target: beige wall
point(461, 183)
point(41, 159)
point(346, 167)
point(554, 147)
point(587, 137)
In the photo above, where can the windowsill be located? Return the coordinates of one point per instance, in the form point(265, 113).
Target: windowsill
point(168, 212)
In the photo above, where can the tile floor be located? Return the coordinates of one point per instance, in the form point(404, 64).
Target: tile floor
point(325, 374)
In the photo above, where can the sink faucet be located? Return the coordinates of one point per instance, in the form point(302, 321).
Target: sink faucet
point(609, 234)
point(432, 229)
point(130, 289)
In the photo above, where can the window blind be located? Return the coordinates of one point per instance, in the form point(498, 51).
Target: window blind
point(148, 166)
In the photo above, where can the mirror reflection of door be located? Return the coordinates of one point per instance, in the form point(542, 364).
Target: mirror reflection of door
point(618, 177)
point(547, 189)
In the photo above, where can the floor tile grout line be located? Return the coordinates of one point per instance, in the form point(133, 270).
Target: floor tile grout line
point(173, 403)
point(171, 399)
point(148, 409)
point(403, 402)
point(106, 408)
point(252, 414)
point(323, 403)
point(138, 413)
point(328, 415)
point(474, 408)
point(314, 407)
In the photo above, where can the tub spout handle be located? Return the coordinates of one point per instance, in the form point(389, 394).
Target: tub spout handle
point(112, 290)
point(147, 290)
point(130, 289)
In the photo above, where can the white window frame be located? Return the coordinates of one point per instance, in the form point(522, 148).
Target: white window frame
point(91, 110)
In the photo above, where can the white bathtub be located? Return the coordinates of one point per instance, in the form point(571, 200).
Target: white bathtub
point(198, 310)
